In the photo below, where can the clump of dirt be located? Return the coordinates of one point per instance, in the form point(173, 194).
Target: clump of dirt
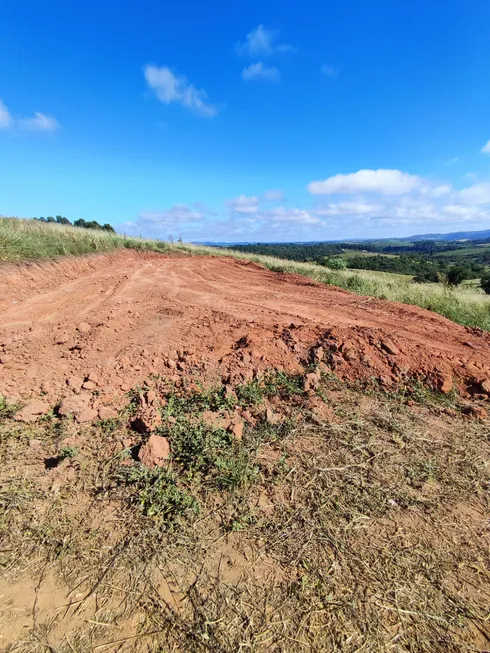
point(79, 334)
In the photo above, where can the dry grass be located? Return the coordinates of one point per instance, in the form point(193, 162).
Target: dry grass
point(367, 531)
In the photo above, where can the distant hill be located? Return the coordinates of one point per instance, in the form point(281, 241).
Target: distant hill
point(458, 235)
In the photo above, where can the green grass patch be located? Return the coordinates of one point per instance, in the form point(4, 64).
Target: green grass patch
point(156, 493)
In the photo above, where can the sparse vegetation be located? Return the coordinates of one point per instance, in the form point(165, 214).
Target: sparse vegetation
point(338, 541)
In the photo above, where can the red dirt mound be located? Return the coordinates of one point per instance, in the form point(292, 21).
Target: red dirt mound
point(95, 326)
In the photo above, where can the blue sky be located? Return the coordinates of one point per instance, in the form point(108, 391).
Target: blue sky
point(248, 120)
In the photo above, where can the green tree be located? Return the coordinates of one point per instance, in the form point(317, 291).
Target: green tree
point(456, 275)
point(485, 284)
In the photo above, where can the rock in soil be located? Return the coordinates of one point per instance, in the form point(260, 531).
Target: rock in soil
point(86, 415)
point(215, 420)
point(155, 451)
point(84, 327)
point(105, 412)
point(236, 428)
point(75, 383)
point(390, 347)
point(475, 411)
point(485, 386)
point(311, 381)
point(32, 411)
point(72, 406)
point(445, 384)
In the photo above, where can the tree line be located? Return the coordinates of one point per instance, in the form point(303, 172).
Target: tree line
point(84, 224)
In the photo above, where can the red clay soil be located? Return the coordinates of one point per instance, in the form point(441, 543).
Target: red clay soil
point(120, 317)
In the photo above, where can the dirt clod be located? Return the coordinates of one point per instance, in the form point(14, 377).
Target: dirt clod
point(236, 428)
point(86, 415)
point(475, 411)
point(32, 411)
point(106, 412)
point(155, 451)
point(390, 347)
point(311, 381)
point(485, 386)
point(73, 405)
point(84, 327)
point(445, 384)
point(75, 383)
point(47, 387)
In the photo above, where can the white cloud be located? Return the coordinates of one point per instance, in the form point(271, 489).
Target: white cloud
point(452, 161)
point(295, 216)
point(168, 221)
point(330, 71)
point(171, 218)
point(244, 205)
point(6, 119)
point(170, 88)
point(440, 191)
point(261, 42)
point(273, 195)
point(349, 208)
point(386, 182)
point(486, 148)
point(476, 194)
point(260, 71)
point(40, 123)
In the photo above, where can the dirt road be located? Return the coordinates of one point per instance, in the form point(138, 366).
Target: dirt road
point(123, 316)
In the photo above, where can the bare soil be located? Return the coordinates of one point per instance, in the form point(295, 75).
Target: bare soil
point(126, 315)
point(313, 494)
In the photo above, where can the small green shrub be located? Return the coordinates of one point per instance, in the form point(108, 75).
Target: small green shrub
point(334, 263)
point(156, 493)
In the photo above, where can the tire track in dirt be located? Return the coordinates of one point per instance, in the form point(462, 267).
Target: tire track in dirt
point(143, 309)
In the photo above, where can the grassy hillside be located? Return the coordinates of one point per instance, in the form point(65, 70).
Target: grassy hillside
point(25, 239)
point(29, 239)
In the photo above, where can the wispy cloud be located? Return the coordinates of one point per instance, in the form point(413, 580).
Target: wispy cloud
point(486, 148)
point(263, 42)
point(273, 195)
point(40, 122)
point(168, 221)
point(243, 204)
point(452, 161)
point(169, 87)
point(6, 119)
point(330, 71)
point(261, 72)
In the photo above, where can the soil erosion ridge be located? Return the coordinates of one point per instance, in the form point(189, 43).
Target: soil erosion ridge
point(100, 325)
